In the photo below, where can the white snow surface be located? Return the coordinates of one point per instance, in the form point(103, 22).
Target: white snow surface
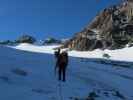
point(125, 54)
point(85, 74)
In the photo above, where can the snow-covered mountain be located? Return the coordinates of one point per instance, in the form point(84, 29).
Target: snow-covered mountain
point(27, 73)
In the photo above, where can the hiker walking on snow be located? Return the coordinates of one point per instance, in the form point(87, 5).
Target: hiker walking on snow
point(61, 64)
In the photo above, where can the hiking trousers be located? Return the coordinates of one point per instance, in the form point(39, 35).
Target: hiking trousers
point(62, 73)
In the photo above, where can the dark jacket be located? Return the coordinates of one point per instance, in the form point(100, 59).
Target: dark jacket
point(62, 60)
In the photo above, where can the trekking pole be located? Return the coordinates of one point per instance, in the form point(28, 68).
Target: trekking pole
point(60, 91)
point(55, 71)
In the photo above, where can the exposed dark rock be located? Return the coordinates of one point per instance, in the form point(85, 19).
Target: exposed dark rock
point(19, 72)
point(7, 42)
point(51, 41)
point(5, 78)
point(105, 55)
point(130, 45)
point(26, 39)
point(118, 94)
point(92, 96)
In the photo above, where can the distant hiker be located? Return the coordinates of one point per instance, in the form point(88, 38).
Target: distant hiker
point(61, 64)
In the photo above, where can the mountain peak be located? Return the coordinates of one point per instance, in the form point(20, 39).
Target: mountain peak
point(111, 28)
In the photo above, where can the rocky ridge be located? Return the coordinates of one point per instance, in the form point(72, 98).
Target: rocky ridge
point(112, 28)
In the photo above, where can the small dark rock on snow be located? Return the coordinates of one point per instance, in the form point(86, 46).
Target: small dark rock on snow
point(20, 72)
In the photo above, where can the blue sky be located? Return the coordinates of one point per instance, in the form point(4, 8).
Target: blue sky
point(47, 18)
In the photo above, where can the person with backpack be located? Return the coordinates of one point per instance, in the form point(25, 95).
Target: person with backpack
point(61, 65)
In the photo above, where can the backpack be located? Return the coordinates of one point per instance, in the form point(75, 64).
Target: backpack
point(64, 57)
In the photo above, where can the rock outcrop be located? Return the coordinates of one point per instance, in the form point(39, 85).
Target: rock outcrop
point(112, 28)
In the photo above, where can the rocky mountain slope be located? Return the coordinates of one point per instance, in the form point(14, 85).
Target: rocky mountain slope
point(112, 28)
